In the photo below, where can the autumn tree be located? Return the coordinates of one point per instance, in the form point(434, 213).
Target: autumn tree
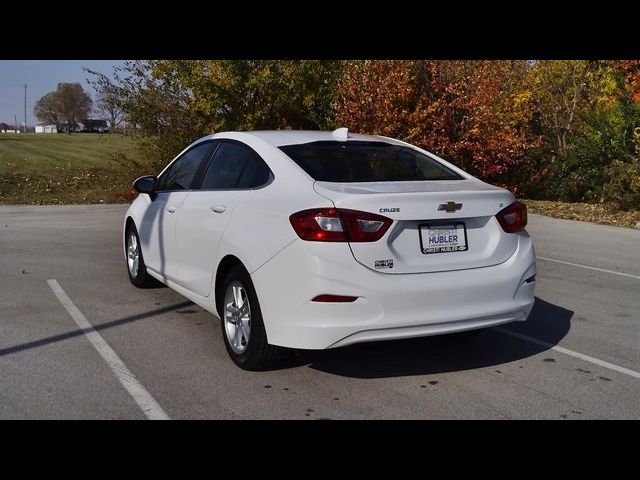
point(627, 76)
point(630, 70)
point(474, 113)
point(377, 96)
point(483, 109)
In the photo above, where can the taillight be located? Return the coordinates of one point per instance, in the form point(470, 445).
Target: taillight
point(339, 225)
point(513, 218)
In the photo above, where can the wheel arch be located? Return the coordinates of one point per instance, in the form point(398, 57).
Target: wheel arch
point(224, 267)
point(127, 223)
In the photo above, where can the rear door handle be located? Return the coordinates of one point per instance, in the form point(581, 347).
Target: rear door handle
point(171, 209)
point(218, 208)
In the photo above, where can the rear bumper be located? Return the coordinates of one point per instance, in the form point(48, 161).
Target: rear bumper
point(389, 306)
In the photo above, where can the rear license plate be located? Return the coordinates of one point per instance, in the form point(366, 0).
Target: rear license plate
point(443, 237)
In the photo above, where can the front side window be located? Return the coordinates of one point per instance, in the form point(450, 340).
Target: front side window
point(235, 166)
point(360, 161)
point(181, 173)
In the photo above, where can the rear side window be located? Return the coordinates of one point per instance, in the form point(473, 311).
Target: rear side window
point(235, 166)
point(357, 161)
point(181, 173)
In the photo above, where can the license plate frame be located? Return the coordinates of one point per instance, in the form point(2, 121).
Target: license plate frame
point(424, 228)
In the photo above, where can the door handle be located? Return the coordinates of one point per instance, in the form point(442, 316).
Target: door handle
point(218, 208)
point(171, 209)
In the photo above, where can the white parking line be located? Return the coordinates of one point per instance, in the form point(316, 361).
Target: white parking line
point(140, 395)
point(566, 351)
point(613, 272)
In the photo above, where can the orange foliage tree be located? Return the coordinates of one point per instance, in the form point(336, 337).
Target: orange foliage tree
point(631, 73)
point(474, 113)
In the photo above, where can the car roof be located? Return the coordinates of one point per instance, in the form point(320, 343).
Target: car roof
point(279, 138)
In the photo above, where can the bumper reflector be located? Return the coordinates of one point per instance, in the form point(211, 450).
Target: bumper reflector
point(334, 298)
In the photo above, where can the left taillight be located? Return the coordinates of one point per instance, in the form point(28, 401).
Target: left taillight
point(513, 218)
point(339, 225)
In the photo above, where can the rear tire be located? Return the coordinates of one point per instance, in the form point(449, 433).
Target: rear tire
point(136, 268)
point(243, 331)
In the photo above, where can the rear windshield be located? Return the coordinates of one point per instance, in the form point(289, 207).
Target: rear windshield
point(358, 161)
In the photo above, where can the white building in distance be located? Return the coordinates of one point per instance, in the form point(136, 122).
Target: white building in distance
point(51, 128)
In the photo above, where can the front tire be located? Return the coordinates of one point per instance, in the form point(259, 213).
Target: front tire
point(136, 268)
point(242, 326)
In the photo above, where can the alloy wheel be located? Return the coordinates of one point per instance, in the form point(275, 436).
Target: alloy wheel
point(237, 317)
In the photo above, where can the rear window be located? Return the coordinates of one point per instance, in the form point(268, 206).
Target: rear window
point(359, 161)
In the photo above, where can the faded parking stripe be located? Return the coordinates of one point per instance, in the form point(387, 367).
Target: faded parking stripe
point(140, 395)
point(566, 351)
point(588, 267)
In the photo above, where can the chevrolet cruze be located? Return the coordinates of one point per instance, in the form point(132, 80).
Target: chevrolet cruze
point(316, 240)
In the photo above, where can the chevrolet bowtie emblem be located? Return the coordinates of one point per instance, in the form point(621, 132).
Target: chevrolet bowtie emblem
point(450, 207)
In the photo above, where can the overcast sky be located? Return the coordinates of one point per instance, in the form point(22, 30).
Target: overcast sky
point(41, 77)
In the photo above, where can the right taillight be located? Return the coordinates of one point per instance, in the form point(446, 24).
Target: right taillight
point(513, 218)
point(339, 225)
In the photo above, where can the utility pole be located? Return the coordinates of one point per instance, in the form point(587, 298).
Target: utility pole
point(15, 120)
point(25, 108)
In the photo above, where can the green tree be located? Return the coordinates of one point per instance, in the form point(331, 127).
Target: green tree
point(587, 117)
point(170, 103)
point(68, 103)
point(562, 90)
point(46, 109)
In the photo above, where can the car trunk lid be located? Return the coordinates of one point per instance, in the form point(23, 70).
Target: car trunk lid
point(422, 209)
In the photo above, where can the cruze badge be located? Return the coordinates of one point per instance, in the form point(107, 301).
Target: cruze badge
point(450, 207)
point(390, 210)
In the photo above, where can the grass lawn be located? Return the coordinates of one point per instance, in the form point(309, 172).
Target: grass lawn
point(61, 168)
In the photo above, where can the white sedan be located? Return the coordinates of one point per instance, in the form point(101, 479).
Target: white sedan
point(316, 240)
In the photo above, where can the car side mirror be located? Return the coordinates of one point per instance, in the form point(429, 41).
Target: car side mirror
point(146, 184)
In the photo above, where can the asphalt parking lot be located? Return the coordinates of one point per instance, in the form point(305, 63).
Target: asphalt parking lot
point(153, 354)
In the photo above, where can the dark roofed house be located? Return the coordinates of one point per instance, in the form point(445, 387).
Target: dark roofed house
point(86, 126)
point(93, 126)
point(6, 128)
